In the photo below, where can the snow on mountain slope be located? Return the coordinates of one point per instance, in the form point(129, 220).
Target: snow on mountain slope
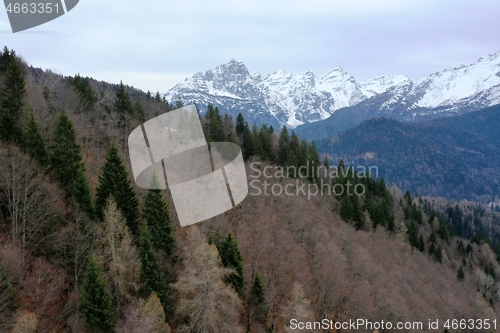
point(455, 84)
point(294, 99)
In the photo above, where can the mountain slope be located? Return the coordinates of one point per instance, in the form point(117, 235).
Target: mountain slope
point(307, 99)
point(457, 157)
point(451, 92)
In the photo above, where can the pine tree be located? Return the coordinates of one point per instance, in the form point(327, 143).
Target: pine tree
point(151, 277)
point(33, 142)
point(231, 258)
point(157, 217)
point(5, 59)
point(12, 102)
point(67, 163)
point(113, 182)
point(122, 103)
point(96, 300)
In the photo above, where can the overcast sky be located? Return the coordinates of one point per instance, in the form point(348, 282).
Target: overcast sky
point(154, 44)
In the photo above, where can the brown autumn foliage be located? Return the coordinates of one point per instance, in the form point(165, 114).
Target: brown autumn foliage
point(289, 240)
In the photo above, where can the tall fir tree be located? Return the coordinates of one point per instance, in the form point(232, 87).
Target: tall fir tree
point(12, 102)
point(247, 142)
point(240, 125)
point(231, 258)
point(96, 300)
point(122, 103)
point(157, 217)
point(67, 164)
point(33, 142)
point(113, 181)
point(283, 146)
point(151, 276)
point(257, 300)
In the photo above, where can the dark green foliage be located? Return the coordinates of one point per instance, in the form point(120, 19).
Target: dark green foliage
point(139, 112)
point(257, 299)
point(460, 247)
point(82, 86)
point(179, 103)
point(96, 300)
point(33, 142)
point(12, 102)
point(240, 125)
point(151, 276)
point(460, 273)
point(113, 182)
point(122, 103)
point(6, 57)
point(314, 163)
point(283, 146)
point(157, 217)
point(81, 194)
point(214, 128)
point(350, 211)
point(247, 145)
point(265, 135)
point(468, 250)
point(67, 164)
point(231, 258)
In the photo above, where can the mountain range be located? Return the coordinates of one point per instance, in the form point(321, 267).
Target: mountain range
point(305, 100)
point(453, 157)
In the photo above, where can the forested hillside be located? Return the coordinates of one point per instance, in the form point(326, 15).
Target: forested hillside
point(456, 158)
point(82, 249)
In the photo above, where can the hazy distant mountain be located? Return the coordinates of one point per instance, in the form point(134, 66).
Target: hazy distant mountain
point(294, 99)
point(455, 157)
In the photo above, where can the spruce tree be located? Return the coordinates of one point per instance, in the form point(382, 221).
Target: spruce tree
point(157, 217)
point(231, 258)
point(240, 125)
point(151, 276)
point(247, 144)
point(283, 146)
point(12, 102)
point(33, 142)
point(122, 103)
point(113, 182)
point(257, 299)
point(460, 273)
point(67, 164)
point(96, 300)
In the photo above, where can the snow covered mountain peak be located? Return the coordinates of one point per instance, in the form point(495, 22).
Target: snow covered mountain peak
point(293, 99)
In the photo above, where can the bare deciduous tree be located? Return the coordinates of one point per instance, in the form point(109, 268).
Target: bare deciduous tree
point(210, 304)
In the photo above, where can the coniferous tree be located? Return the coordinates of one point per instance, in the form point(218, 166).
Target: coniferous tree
point(283, 146)
point(122, 103)
point(231, 258)
point(157, 217)
point(67, 163)
point(240, 125)
point(151, 276)
point(5, 58)
point(12, 102)
point(33, 142)
point(460, 273)
point(265, 143)
point(113, 182)
point(257, 300)
point(96, 300)
point(314, 163)
point(247, 144)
